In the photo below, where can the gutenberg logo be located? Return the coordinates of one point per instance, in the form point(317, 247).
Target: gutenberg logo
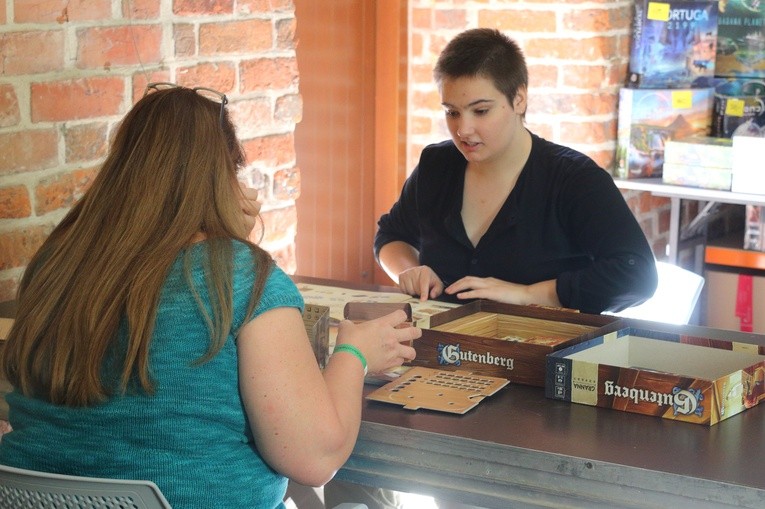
point(454, 355)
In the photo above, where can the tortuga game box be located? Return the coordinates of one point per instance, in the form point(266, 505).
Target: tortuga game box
point(673, 44)
point(663, 374)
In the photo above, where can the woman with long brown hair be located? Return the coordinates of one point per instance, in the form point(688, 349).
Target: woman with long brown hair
point(154, 341)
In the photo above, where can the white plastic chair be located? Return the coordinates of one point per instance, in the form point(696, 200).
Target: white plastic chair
point(28, 489)
point(675, 298)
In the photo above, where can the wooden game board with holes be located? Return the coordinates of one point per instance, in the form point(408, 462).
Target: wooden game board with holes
point(515, 328)
point(433, 389)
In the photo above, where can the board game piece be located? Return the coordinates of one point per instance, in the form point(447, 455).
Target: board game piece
point(432, 389)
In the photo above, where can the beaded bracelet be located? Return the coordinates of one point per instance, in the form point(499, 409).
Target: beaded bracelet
point(345, 347)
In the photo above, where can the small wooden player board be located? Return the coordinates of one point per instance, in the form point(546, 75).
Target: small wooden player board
point(445, 391)
point(5, 328)
point(363, 311)
point(316, 321)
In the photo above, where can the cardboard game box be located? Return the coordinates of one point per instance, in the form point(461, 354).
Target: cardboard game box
point(754, 228)
point(685, 378)
point(648, 118)
point(739, 299)
point(740, 39)
point(504, 340)
point(673, 44)
point(738, 108)
point(748, 167)
point(699, 161)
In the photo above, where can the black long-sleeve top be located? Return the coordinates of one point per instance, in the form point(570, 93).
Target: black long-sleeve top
point(565, 219)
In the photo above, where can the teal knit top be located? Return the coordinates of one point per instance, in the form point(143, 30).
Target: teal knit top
point(192, 437)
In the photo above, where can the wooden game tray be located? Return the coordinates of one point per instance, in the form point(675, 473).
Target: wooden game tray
point(504, 340)
point(432, 389)
point(522, 329)
point(363, 311)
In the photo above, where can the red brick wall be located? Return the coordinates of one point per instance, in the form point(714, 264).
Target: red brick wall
point(577, 55)
point(72, 68)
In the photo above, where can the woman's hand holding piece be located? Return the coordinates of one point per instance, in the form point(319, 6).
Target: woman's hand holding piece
point(384, 342)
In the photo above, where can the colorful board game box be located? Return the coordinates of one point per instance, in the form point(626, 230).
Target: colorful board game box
point(700, 151)
point(699, 161)
point(741, 39)
point(673, 44)
point(670, 375)
point(648, 118)
point(739, 108)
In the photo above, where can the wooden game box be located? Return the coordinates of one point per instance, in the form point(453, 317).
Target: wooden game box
point(671, 375)
point(504, 340)
point(316, 322)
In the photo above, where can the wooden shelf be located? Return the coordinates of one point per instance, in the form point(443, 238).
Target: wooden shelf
point(727, 255)
point(657, 187)
point(727, 251)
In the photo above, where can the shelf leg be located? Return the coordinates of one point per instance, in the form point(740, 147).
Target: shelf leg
point(674, 229)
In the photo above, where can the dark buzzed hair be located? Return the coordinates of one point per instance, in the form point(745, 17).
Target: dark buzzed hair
point(486, 53)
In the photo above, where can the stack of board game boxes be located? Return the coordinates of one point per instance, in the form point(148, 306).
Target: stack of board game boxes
point(699, 161)
point(739, 99)
point(670, 86)
point(740, 69)
point(739, 104)
point(697, 74)
point(738, 108)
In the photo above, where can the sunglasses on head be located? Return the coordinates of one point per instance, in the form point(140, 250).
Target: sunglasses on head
point(208, 93)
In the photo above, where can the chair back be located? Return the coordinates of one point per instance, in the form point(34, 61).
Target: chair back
point(675, 297)
point(28, 489)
